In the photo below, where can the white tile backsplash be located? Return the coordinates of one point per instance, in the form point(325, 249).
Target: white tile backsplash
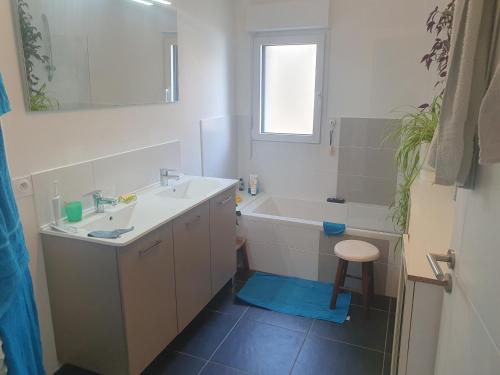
point(115, 174)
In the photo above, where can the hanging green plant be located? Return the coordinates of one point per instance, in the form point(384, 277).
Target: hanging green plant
point(31, 39)
point(417, 127)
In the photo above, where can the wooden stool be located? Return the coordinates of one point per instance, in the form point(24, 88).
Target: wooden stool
point(241, 246)
point(355, 251)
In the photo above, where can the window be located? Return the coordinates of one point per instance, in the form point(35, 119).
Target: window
point(287, 93)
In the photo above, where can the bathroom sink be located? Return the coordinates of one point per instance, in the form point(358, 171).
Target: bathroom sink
point(115, 218)
point(154, 206)
point(190, 189)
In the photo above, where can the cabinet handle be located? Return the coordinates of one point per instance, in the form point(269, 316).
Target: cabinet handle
point(225, 201)
point(197, 218)
point(145, 252)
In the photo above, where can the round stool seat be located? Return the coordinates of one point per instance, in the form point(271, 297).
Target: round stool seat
point(356, 251)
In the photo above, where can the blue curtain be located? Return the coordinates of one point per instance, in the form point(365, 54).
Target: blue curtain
point(19, 327)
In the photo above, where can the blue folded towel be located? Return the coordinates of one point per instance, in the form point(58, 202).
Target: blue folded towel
point(333, 229)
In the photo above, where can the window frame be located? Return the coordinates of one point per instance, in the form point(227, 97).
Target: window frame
point(286, 38)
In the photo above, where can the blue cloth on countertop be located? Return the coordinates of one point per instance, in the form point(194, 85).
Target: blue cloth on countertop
point(294, 296)
point(333, 229)
point(19, 327)
point(4, 100)
point(112, 234)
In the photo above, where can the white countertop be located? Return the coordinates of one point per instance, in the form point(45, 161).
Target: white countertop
point(149, 212)
point(431, 226)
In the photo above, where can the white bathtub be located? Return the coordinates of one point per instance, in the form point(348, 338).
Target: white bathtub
point(285, 236)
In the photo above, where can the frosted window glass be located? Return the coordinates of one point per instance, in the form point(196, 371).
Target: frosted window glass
point(289, 84)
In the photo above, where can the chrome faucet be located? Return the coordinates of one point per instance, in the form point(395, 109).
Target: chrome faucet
point(167, 175)
point(100, 201)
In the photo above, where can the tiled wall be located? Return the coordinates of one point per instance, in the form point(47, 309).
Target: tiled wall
point(115, 175)
point(367, 172)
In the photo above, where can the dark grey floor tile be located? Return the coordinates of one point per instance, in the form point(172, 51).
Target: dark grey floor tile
point(393, 305)
point(369, 332)
point(387, 364)
point(218, 369)
point(390, 333)
point(73, 370)
point(296, 323)
point(325, 357)
point(226, 302)
point(204, 334)
point(379, 302)
point(173, 363)
point(260, 348)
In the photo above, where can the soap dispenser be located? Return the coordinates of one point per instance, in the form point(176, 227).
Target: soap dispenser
point(56, 204)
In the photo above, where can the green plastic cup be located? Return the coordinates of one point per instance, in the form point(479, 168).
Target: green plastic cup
point(74, 211)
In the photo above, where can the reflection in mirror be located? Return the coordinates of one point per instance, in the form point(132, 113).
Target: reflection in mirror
point(81, 54)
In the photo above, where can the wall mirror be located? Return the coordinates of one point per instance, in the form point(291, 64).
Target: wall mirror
point(84, 54)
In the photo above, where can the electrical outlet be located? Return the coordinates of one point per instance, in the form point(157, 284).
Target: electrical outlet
point(22, 187)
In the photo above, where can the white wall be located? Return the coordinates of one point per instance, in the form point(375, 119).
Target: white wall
point(41, 141)
point(373, 65)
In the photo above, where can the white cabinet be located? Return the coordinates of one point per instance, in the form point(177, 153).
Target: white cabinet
point(222, 238)
point(416, 332)
point(147, 283)
point(192, 263)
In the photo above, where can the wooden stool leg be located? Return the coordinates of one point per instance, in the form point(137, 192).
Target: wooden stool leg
point(339, 281)
point(366, 285)
point(246, 264)
point(372, 282)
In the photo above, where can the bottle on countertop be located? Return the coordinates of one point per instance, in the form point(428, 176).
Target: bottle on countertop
point(56, 204)
point(253, 184)
point(242, 184)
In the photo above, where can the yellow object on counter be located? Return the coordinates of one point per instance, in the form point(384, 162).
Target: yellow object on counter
point(127, 198)
point(238, 199)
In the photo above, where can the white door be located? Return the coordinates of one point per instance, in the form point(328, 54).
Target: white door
point(469, 338)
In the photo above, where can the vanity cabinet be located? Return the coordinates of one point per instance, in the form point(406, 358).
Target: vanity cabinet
point(113, 309)
point(147, 284)
point(222, 238)
point(192, 263)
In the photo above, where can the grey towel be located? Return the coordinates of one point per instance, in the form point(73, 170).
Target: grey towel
point(452, 150)
point(113, 234)
point(489, 115)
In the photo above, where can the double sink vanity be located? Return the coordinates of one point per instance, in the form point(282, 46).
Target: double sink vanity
point(117, 303)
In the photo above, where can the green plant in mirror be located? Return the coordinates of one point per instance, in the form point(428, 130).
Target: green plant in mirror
point(39, 101)
point(31, 39)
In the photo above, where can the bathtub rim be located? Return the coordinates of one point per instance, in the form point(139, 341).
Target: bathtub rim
point(248, 210)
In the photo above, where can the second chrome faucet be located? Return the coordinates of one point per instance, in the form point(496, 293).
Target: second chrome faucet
point(168, 174)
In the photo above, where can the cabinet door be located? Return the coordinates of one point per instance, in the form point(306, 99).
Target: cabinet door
point(147, 282)
point(192, 263)
point(222, 238)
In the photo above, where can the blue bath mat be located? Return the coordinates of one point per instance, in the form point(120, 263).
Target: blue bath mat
point(294, 296)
